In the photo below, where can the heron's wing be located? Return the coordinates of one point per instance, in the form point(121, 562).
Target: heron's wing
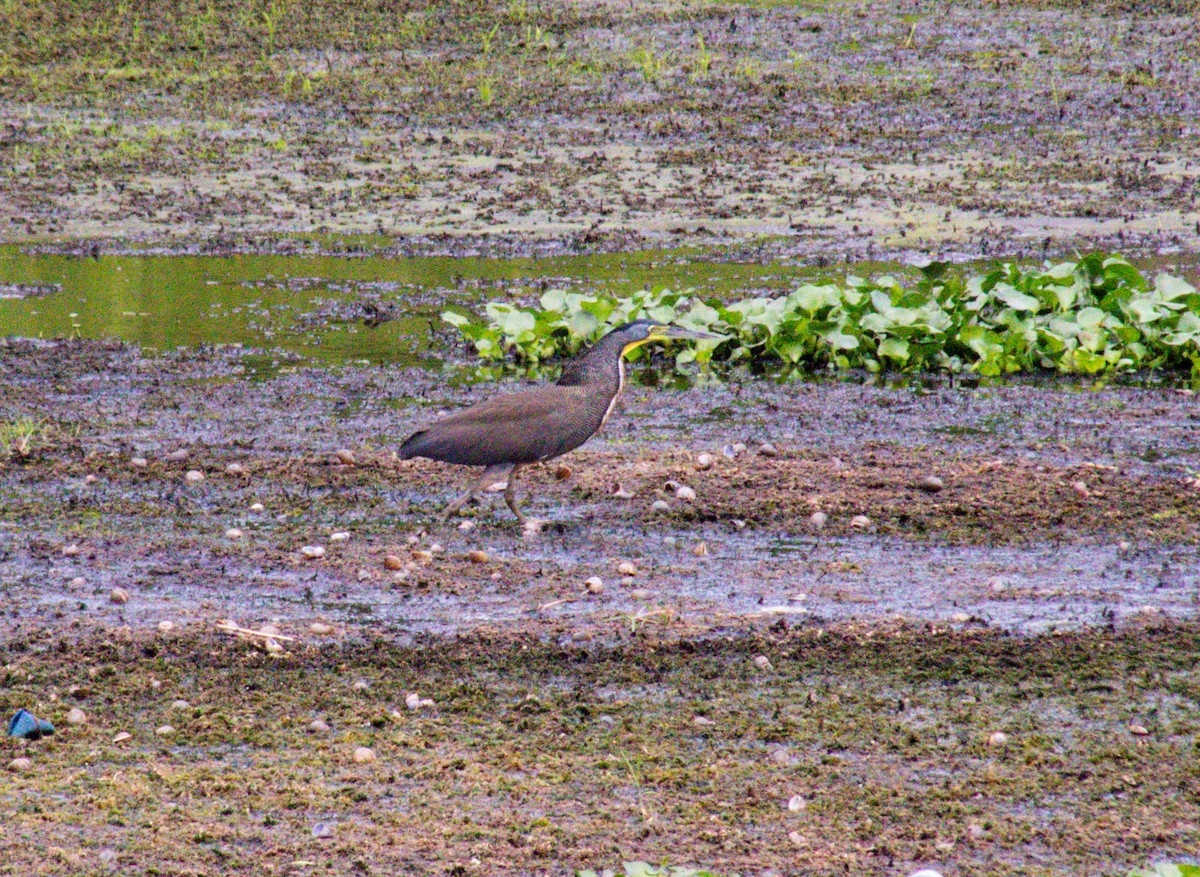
point(518, 428)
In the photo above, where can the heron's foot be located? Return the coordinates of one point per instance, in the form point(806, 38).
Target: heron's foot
point(531, 526)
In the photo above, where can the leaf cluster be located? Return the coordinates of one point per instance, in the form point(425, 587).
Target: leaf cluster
point(1099, 314)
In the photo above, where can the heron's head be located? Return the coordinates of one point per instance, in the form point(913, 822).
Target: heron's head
point(641, 332)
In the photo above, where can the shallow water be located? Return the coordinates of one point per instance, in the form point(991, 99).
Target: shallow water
point(316, 309)
point(320, 310)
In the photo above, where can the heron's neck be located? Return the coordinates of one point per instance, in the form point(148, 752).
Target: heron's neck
point(600, 366)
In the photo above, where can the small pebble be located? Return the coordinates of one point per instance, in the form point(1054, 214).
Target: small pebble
point(20, 765)
point(1123, 547)
point(925, 872)
point(339, 536)
point(738, 524)
point(345, 455)
point(660, 505)
point(412, 539)
point(1139, 730)
point(705, 461)
point(685, 493)
point(363, 755)
point(258, 507)
point(122, 737)
point(975, 831)
point(312, 552)
point(273, 646)
point(797, 839)
point(233, 533)
point(435, 548)
point(90, 479)
point(701, 550)
point(998, 738)
point(640, 594)
point(594, 585)
point(670, 541)
point(393, 561)
point(180, 705)
point(164, 731)
point(320, 628)
point(477, 556)
point(620, 492)
point(626, 568)
point(178, 456)
point(361, 685)
point(466, 526)
point(703, 721)
point(930, 484)
point(997, 585)
point(860, 522)
point(78, 582)
point(817, 520)
point(235, 469)
point(960, 617)
point(322, 829)
point(738, 447)
point(270, 629)
point(762, 662)
point(531, 528)
point(562, 472)
point(166, 626)
point(1081, 488)
point(422, 556)
point(318, 726)
point(414, 701)
point(729, 452)
point(71, 550)
point(194, 476)
point(76, 716)
point(766, 449)
point(797, 804)
point(139, 463)
point(780, 756)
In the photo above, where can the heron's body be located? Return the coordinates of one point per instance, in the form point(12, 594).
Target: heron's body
point(507, 432)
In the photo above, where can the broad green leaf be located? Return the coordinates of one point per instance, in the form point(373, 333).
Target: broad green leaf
point(894, 348)
point(839, 340)
point(1016, 299)
point(1170, 288)
point(812, 298)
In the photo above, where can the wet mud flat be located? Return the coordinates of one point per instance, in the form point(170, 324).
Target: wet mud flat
point(1054, 503)
point(1047, 592)
point(876, 130)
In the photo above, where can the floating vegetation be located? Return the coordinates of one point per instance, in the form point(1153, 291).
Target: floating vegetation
point(1099, 314)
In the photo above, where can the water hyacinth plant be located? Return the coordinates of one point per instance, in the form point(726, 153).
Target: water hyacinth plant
point(1099, 314)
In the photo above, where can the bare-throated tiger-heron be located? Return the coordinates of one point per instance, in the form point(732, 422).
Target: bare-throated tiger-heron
point(508, 432)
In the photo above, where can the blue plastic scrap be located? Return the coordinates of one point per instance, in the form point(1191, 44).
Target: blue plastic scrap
point(25, 725)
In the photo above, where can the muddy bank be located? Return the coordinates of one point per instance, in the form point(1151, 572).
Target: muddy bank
point(814, 752)
point(880, 130)
point(1059, 506)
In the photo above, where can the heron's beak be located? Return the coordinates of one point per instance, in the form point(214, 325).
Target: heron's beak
point(692, 334)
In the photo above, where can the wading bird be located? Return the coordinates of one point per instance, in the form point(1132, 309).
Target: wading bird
point(508, 432)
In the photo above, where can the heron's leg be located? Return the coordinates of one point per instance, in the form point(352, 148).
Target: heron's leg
point(510, 495)
point(490, 476)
